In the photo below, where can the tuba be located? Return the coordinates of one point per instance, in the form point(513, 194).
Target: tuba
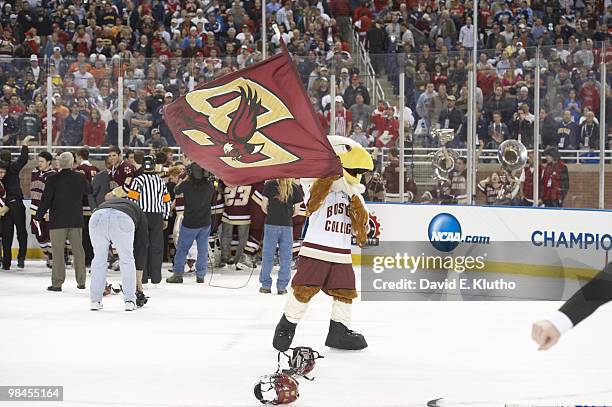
point(512, 155)
point(443, 161)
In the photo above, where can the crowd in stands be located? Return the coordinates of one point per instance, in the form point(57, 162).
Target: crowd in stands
point(432, 43)
point(162, 49)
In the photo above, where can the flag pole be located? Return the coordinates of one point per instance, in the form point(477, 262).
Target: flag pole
point(264, 39)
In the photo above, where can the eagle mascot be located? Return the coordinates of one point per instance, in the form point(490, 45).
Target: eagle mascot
point(336, 212)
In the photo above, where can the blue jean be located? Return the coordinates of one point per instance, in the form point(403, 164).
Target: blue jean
point(185, 240)
point(108, 226)
point(283, 236)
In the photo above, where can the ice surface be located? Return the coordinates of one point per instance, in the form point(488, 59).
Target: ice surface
point(197, 345)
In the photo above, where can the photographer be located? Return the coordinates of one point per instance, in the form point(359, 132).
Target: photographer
point(197, 191)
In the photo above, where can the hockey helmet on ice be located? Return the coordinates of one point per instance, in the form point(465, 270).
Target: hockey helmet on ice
point(302, 361)
point(277, 388)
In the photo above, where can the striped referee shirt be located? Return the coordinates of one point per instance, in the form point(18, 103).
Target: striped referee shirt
point(151, 194)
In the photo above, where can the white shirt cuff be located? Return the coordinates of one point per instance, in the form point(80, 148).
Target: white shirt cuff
point(561, 322)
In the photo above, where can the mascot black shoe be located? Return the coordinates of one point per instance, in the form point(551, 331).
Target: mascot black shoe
point(283, 335)
point(340, 337)
point(336, 212)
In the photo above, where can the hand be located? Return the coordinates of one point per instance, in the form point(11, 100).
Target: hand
point(27, 140)
point(4, 210)
point(165, 224)
point(108, 196)
point(545, 334)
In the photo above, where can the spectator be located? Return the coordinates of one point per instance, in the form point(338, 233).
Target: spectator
point(589, 133)
point(344, 119)
point(9, 127)
point(360, 136)
point(136, 139)
point(142, 120)
point(376, 44)
point(567, 132)
point(157, 141)
point(499, 102)
point(72, 130)
point(62, 197)
point(427, 105)
point(498, 131)
point(93, 130)
point(522, 127)
point(361, 112)
point(452, 118)
point(386, 128)
point(573, 105)
point(30, 124)
point(555, 179)
point(355, 88)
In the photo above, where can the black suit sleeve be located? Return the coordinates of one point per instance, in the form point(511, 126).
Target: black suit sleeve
point(86, 186)
point(21, 161)
point(46, 200)
point(594, 294)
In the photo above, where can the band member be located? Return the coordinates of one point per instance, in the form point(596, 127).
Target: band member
point(492, 187)
point(40, 174)
point(458, 179)
point(527, 181)
point(441, 193)
point(90, 171)
point(391, 177)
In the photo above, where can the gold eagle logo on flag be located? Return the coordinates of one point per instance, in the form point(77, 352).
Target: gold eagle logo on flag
point(241, 110)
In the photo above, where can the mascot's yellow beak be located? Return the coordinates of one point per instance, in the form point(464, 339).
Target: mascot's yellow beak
point(354, 158)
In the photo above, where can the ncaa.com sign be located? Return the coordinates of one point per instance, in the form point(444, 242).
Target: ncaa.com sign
point(445, 233)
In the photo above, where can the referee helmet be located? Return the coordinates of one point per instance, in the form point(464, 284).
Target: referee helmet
point(148, 163)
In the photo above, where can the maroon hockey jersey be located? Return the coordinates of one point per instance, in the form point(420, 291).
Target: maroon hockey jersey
point(121, 176)
point(37, 187)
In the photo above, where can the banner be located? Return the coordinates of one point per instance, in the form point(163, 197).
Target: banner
point(454, 252)
point(252, 125)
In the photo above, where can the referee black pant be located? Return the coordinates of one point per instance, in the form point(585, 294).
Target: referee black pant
point(14, 218)
point(155, 253)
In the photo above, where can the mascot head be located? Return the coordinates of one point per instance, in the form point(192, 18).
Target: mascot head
point(354, 158)
point(355, 161)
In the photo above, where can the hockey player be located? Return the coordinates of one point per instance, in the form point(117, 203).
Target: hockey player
point(235, 214)
point(40, 174)
point(90, 171)
point(256, 229)
point(121, 174)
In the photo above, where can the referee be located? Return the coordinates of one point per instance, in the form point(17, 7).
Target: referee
point(150, 192)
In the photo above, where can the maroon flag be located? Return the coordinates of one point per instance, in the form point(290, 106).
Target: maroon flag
point(252, 125)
